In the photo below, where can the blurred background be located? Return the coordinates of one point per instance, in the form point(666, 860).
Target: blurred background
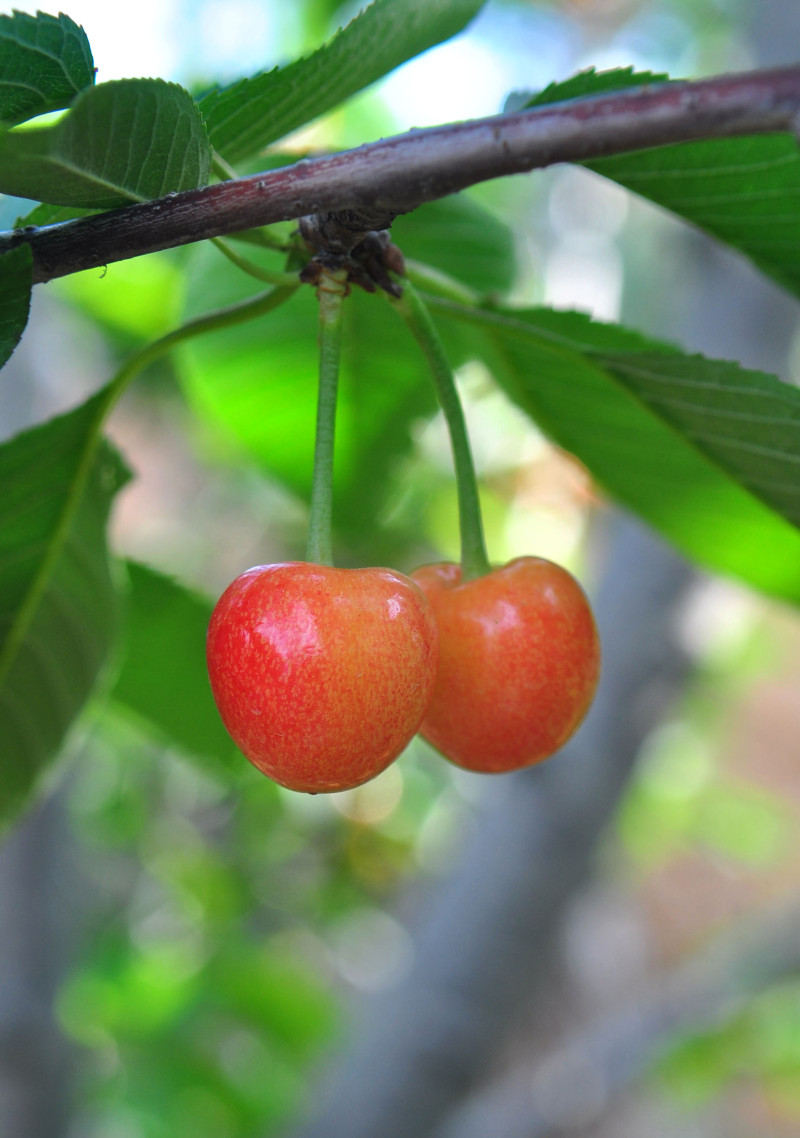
point(188, 950)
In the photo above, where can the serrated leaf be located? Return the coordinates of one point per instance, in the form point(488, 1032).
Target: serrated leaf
point(58, 603)
point(16, 283)
point(45, 61)
point(122, 142)
point(258, 382)
point(746, 421)
point(585, 83)
point(744, 191)
point(460, 238)
point(249, 115)
point(599, 391)
point(163, 677)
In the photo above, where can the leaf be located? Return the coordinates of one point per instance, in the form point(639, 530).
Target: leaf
point(122, 142)
point(58, 603)
point(51, 214)
point(630, 408)
point(163, 677)
point(746, 421)
point(744, 191)
point(585, 83)
point(45, 61)
point(259, 383)
point(16, 283)
point(249, 115)
point(460, 238)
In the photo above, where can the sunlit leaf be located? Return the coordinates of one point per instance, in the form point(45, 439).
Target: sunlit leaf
point(121, 142)
point(259, 381)
point(249, 115)
point(669, 435)
point(45, 61)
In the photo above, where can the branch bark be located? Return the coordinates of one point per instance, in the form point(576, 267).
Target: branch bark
point(380, 180)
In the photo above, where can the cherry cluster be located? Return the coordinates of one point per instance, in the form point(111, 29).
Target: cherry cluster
point(322, 676)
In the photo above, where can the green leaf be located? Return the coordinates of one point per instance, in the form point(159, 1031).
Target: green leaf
point(588, 82)
point(163, 677)
point(121, 142)
point(51, 214)
point(249, 115)
point(460, 238)
point(746, 421)
point(16, 283)
point(259, 383)
point(744, 191)
point(58, 603)
point(45, 61)
point(634, 412)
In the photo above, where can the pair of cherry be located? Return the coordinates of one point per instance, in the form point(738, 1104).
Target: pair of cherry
point(322, 675)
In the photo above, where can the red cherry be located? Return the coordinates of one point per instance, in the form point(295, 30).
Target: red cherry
point(321, 675)
point(519, 660)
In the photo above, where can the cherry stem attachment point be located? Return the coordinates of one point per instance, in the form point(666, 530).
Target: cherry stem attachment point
point(331, 289)
point(474, 559)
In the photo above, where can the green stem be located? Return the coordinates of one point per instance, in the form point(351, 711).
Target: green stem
point(440, 284)
point(251, 268)
point(474, 559)
point(330, 291)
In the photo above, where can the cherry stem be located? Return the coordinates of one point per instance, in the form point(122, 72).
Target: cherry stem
point(331, 288)
point(474, 559)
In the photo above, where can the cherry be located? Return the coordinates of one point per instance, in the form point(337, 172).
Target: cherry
point(519, 660)
point(321, 675)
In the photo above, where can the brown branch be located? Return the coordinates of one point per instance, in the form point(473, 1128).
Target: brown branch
point(393, 176)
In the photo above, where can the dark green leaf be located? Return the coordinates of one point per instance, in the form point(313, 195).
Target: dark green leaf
point(745, 191)
point(58, 603)
point(249, 115)
point(122, 142)
point(462, 239)
point(16, 282)
point(163, 677)
point(45, 61)
point(634, 412)
point(588, 82)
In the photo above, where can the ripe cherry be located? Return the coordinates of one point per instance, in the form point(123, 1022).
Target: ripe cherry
point(519, 660)
point(321, 675)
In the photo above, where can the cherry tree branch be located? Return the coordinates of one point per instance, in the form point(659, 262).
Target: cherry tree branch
point(373, 184)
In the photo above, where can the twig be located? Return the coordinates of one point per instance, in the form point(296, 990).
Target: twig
point(383, 179)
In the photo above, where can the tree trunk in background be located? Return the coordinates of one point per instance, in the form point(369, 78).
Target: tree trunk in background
point(34, 924)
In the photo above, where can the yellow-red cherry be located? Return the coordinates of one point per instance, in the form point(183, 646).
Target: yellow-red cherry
point(519, 661)
point(321, 675)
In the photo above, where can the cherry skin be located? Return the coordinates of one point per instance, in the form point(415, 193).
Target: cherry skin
point(519, 660)
point(321, 675)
